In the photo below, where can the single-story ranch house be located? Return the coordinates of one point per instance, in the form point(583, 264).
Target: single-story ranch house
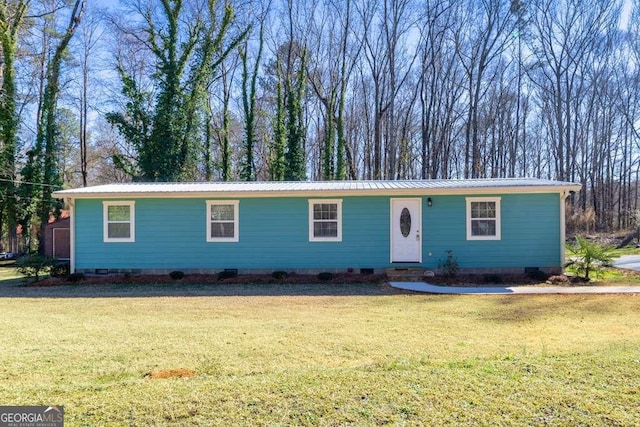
point(489, 225)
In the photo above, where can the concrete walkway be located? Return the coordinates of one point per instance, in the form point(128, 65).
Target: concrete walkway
point(629, 262)
point(513, 290)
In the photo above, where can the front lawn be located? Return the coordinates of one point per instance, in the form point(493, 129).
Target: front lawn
point(299, 355)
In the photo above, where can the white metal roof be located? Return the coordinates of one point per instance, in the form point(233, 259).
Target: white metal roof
point(320, 188)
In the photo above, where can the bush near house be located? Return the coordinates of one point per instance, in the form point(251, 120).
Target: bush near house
point(588, 256)
point(60, 269)
point(324, 276)
point(448, 267)
point(227, 274)
point(33, 266)
point(75, 277)
point(279, 274)
point(176, 275)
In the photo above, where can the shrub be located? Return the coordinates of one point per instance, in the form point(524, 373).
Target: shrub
point(324, 276)
point(492, 278)
point(227, 274)
point(75, 277)
point(176, 275)
point(537, 275)
point(34, 265)
point(279, 275)
point(589, 257)
point(60, 269)
point(448, 267)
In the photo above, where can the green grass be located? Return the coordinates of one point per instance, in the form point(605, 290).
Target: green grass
point(8, 273)
point(627, 250)
point(616, 276)
point(300, 356)
point(610, 276)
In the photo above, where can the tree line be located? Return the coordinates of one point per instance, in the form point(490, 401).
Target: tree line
point(213, 90)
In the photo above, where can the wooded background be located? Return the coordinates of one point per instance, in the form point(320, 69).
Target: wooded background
point(206, 90)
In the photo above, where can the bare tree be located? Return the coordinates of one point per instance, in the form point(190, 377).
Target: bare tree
point(387, 25)
point(566, 35)
point(336, 49)
point(440, 86)
point(482, 41)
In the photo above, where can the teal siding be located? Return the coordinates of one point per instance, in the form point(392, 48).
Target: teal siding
point(530, 235)
point(274, 235)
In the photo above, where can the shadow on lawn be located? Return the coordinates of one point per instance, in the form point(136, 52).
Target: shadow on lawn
point(19, 289)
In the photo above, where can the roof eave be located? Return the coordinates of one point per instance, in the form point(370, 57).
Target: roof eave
point(324, 193)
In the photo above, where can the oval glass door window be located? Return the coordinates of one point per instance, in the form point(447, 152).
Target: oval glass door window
point(405, 222)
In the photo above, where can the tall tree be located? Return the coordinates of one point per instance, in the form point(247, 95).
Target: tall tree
point(336, 54)
point(477, 50)
point(277, 163)
point(249, 87)
point(184, 60)
point(295, 156)
point(440, 86)
point(387, 25)
point(90, 33)
point(47, 144)
point(221, 130)
point(565, 38)
point(12, 14)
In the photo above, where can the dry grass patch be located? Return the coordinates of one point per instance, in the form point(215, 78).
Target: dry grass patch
point(163, 374)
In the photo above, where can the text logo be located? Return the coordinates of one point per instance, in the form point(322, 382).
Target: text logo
point(31, 416)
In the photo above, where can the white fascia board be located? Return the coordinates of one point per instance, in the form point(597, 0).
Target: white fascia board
point(489, 190)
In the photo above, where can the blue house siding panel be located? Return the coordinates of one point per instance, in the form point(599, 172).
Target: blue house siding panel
point(530, 233)
point(274, 235)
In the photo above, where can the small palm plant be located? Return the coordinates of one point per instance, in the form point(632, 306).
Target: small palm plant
point(589, 256)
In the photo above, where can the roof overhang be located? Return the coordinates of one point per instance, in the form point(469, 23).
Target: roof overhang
point(319, 189)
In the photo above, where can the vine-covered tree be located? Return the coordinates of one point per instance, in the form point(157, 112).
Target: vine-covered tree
point(277, 163)
point(295, 157)
point(184, 57)
point(249, 87)
point(47, 145)
point(11, 19)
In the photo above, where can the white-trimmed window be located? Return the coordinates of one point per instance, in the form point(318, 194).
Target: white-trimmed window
point(483, 218)
point(119, 221)
point(325, 220)
point(222, 221)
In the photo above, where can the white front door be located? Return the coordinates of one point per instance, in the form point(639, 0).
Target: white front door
point(406, 230)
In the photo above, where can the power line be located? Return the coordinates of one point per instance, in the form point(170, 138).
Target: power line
point(16, 181)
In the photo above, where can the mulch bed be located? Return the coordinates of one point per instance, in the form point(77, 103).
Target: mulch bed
point(214, 279)
point(335, 279)
point(257, 279)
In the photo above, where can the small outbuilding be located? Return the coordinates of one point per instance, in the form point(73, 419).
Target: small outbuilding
point(487, 225)
point(57, 237)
